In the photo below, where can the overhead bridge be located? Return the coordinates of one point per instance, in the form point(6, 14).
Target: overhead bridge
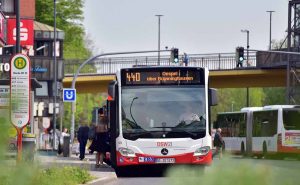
point(230, 78)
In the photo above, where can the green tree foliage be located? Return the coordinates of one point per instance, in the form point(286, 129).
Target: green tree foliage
point(257, 97)
point(69, 18)
point(275, 95)
point(233, 99)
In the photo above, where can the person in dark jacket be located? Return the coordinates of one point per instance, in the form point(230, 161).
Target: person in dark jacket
point(218, 142)
point(83, 135)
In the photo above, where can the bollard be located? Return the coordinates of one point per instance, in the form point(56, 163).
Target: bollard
point(66, 146)
point(29, 144)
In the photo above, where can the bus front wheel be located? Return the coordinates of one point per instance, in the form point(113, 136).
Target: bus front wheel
point(121, 172)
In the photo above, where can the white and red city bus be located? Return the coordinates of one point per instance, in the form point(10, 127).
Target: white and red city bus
point(145, 108)
point(273, 129)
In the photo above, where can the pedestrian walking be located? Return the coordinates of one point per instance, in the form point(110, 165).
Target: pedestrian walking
point(218, 143)
point(83, 135)
point(100, 138)
point(61, 140)
point(185, 59)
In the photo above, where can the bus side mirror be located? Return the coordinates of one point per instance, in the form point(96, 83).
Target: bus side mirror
point(212, 97)
point(112, 91)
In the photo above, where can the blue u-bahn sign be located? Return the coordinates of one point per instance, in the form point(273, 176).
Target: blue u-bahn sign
point(69, 95)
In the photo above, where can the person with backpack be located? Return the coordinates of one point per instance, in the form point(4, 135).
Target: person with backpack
point(218, 143)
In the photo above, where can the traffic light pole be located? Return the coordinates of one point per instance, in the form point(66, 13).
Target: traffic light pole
point(86, 62)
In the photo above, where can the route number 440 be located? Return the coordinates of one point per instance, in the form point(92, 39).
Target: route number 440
point(134, 77)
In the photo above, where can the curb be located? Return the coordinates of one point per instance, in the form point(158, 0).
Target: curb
point(102, 180)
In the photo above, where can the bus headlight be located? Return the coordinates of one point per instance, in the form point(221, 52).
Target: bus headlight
point(202, 151)
point(127, 152)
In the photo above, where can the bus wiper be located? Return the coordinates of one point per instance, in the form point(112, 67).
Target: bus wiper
point(131, 107)
point(138, 134)
point(162, 127)
point(133, 124)
point(176, 130)
point(184, 131)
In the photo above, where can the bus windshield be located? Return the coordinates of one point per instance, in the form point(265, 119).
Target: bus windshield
point(291, 119)
point(163, 112)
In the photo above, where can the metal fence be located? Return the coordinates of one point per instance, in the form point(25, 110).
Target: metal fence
point(216, 61)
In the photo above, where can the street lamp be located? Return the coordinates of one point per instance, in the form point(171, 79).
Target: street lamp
point(247, 31)
point(158, 60)
point(247, 90)
point(270, 44)
point(77, 73)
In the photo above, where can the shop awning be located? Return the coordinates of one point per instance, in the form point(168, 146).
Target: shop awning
point(44, 31)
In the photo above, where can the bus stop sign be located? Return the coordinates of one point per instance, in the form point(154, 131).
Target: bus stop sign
point(20, 90)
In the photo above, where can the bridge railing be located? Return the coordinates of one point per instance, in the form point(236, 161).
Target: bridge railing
point(109, 65)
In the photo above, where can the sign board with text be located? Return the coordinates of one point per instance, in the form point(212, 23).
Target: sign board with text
point(20, 90)
point(4, 95)
point(26, 32)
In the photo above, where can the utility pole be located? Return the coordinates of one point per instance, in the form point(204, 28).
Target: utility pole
point(270, 43)
point(17, 26)
point(158, 60)
point(55, 77)
point(247, 89)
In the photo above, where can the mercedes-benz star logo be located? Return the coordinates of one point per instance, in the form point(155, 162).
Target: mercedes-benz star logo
point(164, 151)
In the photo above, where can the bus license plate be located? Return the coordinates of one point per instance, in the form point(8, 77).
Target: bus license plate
point(165, 160)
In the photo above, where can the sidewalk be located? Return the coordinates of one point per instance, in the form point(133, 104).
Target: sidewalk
point(102, 174)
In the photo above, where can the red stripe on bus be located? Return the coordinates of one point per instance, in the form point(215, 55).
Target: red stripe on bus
point(286, 149)
point(186, 158)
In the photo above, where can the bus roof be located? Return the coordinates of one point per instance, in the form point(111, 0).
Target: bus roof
point(265, 108)
point(247, 109)
point(268, 107)
point(237, 112)
point(161, 66)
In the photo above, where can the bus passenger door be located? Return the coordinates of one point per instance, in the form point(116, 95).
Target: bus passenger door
point(112, 111)
point(249, 128)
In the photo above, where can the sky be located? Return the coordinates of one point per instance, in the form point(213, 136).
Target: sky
point(193, 26)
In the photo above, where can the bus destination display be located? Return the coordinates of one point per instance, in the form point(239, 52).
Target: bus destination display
point(163, 77)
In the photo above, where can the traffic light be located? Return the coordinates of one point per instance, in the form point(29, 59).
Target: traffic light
point(174, 55)
point(240, 54)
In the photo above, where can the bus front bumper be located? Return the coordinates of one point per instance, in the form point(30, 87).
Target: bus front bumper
point(143, 159)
